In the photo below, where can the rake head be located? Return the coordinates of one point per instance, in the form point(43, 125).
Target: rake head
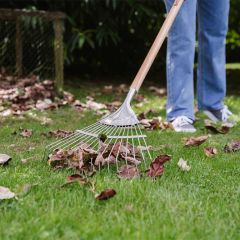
point(117, 139)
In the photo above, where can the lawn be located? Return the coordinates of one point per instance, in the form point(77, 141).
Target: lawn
point(203, 203)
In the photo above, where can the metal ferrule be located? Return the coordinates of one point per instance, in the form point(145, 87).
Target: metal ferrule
point(124, 116)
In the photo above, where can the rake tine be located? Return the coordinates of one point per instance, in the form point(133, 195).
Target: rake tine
point(145, 144)
point(133, 144)
point(110, 131)
point(126, 146)
point(67, 141)
point(67, 137)
point(127, 150)
point(139, 143)
point(78, 139)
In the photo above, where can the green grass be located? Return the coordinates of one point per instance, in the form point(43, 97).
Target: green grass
point(201, 204)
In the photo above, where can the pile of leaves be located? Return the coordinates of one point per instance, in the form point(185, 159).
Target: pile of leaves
point(18, 94)
point(87, 160)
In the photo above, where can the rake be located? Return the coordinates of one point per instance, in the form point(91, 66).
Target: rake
point(121, 129)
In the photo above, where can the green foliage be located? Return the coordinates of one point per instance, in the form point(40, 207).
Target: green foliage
point(98, 31)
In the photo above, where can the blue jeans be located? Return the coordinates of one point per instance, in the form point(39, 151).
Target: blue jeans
point(211, 73)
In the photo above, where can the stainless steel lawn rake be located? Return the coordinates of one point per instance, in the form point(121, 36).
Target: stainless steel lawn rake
point(119, 135)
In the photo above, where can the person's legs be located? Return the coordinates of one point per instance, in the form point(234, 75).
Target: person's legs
point(213, 25)
point(180, 62)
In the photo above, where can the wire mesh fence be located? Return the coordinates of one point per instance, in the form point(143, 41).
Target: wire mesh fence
point(31, 42)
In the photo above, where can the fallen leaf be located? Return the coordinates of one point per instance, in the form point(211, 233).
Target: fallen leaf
point(210, 151)
point(128, 172)
point(45, 104)
point(4, 159)
point(26, 133)
point(139, 98)
point(155, 124)
point(158, 91)
point(106, 194)
point(59, 133)
point(95, 106)
point(108, 89)
point(5, 193)
point(75, 178)
point(232, 146)
point(157, 166)
point(223, 129)
point(182, 164)
point(195, 141)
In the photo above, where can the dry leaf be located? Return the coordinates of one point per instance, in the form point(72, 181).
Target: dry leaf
point(139, 98)
point(5, 193)
point(26, 133)
point(75, 178)
point(106, 194)
point(59, 133)
point(155, 123)
point(195, 141)
point(128, 172)
point(157, 166)
point(224, 129)
point(158, 91)
point(210, 151)
point(4, 159)
point(94, 105)
point(232, 146)
point(182, 164)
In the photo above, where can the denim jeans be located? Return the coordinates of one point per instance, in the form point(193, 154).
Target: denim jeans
point(211, 74)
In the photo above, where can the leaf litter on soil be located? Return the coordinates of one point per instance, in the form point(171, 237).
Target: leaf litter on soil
point(156, 168)
point(224, 128)
point(232, 146)
point(195, 141)
point(210, 151)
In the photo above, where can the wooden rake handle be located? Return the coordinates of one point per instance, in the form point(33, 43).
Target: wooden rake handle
point(147, 63)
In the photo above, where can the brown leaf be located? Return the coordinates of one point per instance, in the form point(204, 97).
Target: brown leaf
point(60, 133)
point(94, 105)
point(4, 159)
point(75, 178)
point(139, 98)
point(26, 133)
point(45, 104)
point(224, 129)
point(157, 166)
point(131, 160)
point(106, 194)
point(58, 158)
point(155, 124)
point(232, 146)
point(158, 91)
point(195, 141)
point(128, 172)
point(210, 151)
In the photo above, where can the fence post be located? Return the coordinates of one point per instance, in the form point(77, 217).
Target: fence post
point(59, 55)
point(18, 47)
